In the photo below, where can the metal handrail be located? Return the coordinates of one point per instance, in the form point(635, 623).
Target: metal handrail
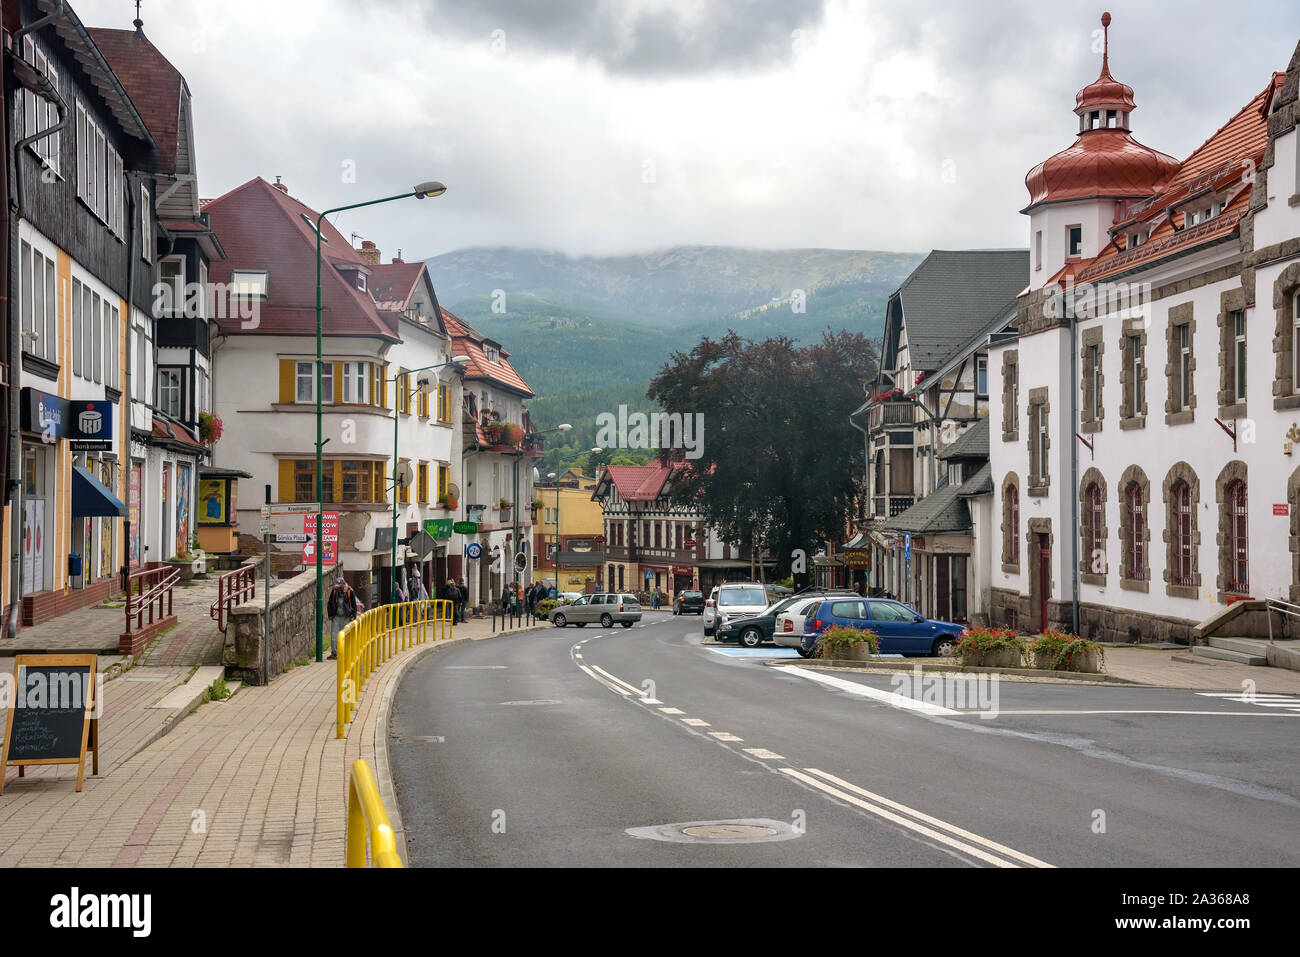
point(165, 579)
point(377, 635)
point(368, 822)
point(1284, 607)
point(233, 589)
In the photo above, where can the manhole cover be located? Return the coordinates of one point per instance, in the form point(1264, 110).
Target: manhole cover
point(742, 831)
point(718, 832)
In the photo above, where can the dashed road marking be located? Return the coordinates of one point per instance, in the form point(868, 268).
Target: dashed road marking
point(672, 710)
point(764, 754)
point(724, 736)
point(696, 722)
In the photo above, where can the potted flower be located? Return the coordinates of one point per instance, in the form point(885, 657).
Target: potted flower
point(210, 428)
point(492, 430)
point(511, 433)
point(852, 644)
point(991, 648)
point(1062, 651)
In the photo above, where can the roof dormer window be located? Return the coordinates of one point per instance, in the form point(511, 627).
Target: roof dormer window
point(249, 283)
point(361, 280)
point(492, 354)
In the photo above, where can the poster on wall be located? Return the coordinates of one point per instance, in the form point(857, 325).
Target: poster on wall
point(106, 525)
point(212, 501)
point(166, 515)
point(133, 514)
point(182, 508)
point(34, 546)
point(330, 545)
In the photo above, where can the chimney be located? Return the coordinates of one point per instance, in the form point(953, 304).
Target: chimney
point(280, 186)
point(369, 253)
point(398, 261)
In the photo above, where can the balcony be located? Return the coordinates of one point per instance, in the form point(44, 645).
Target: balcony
point(887, 506)
point(892, 415)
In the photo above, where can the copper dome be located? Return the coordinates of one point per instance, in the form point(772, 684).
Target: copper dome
point(1105, 161)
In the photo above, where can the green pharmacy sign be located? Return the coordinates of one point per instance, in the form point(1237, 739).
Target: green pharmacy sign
point(439, 528)
point(463, 528)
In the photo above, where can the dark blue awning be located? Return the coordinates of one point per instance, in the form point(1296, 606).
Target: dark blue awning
point(91, 497)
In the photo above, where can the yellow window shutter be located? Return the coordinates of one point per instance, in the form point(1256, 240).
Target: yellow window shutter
point(338, 381)
point(381, 482)
point(337, 467)
point(285, 493)
point(286, 381)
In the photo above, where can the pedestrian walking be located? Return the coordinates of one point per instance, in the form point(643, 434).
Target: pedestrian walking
point(342, 609)
point(462, 599)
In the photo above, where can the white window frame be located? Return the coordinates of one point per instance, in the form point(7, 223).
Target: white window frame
point(177, 285)
point(38, 112)
point(1068, 244)
point(356, 382)
point(304, 371)
point(34, 249)
point(1136, 360)
point(1184, 367)
point(146, 224)
point(250, 283)
point(175, 384)
point(75, 342)
point(982, 372)
point(1239, 355)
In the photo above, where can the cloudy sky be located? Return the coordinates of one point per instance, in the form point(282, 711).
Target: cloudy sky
point(609, 126)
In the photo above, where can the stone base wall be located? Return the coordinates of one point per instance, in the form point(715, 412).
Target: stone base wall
point(1096, 622)
point(292, 631)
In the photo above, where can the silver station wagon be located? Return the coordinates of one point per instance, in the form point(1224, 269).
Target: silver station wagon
point(608, 609)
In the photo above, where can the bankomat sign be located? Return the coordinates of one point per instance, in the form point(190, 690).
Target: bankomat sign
point(86, 423)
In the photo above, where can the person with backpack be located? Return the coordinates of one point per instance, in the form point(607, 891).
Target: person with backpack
point(342, 608)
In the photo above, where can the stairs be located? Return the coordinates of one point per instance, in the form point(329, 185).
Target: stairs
point(1245, 651)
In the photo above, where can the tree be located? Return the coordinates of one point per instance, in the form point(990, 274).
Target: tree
point(779, 464)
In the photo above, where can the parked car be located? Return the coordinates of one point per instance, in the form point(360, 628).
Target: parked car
point(733, 600)
point(789, 628)
point(900, 629)
point(689, 602)
point(753, 631)
point(569, 596)
point(608, 608)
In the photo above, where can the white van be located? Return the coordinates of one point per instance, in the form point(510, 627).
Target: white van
point(733, 600)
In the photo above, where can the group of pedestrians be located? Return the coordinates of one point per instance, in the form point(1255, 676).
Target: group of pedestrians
point(520, 602)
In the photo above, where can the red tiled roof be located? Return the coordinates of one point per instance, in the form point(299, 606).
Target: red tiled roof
point(392, 284)
point(467, 341)
point(262, 227)
point(1219, 163)
point(174, 432)
point(153, 85)
point(639, 483)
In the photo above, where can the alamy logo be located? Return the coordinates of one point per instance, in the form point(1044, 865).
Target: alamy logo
point(74, 910)
point(668, 430)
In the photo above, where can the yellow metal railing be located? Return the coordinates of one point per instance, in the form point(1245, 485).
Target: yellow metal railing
point(377, 635)
point(368, 822)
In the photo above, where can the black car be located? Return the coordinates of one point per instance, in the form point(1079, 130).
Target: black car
point(752, 632)
point(689, 602)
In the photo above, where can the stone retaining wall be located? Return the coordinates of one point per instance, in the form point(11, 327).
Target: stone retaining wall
point(293, 623)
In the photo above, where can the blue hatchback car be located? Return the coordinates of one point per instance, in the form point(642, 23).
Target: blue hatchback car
point(900, 629)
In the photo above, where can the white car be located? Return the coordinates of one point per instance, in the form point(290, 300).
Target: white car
point(733, 600)
point(790, 624)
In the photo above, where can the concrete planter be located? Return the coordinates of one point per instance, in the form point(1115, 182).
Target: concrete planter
point(185, 566)
point(997, 658)
point(1089, 663)
point(859, 652)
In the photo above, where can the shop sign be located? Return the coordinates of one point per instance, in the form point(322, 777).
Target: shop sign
point(857, 558)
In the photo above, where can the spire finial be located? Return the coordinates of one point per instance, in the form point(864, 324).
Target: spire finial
point(1105, 39)
point(138, 23)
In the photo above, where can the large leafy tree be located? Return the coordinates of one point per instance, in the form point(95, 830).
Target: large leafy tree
point(780, 463)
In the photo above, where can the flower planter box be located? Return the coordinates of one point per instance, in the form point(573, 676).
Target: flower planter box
point(997, 658)
point(185, 566)
point(1089, 663)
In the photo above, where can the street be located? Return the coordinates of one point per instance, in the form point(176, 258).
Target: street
point(568, 747)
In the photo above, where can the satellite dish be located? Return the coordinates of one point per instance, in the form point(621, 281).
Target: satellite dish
point(427, 382)
point(453, 490)
point(403, 475)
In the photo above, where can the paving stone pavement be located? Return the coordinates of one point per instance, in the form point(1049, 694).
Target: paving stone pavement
point(258, 780)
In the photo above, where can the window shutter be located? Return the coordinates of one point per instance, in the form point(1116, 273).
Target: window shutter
point(286, 381)
point(381, 483)
point(337, 468)
point(285, 493)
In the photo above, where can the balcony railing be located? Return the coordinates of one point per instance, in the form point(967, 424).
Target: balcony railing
point(886, 414)
point(887, 506)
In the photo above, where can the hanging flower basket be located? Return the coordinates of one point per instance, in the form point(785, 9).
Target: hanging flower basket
point(210, 428)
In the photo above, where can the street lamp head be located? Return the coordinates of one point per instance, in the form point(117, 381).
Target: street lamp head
point(430, 189)
point(459, 360)
point(565, 427)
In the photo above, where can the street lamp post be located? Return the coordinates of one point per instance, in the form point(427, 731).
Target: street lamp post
point(429, 189)
point(555, 562)
point(397, 384)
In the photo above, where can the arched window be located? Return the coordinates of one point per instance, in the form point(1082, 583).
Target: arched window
point(1237, 541)
point(1182, 522)
point(1136, 558)
point(1094, 520)
point(1012, 530)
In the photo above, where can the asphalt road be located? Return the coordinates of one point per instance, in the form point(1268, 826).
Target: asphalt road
point(580, 747)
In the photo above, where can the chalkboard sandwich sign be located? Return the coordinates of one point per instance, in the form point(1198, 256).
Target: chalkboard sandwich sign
point(51, 713)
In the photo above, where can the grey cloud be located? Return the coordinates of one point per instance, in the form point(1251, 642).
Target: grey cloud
point(668, 38)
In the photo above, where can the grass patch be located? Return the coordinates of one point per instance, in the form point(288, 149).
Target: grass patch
point(217, 691)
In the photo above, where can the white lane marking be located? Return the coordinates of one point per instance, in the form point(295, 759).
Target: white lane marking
point(865, 691)
point(651, 701)
point(942, 838)
point(607, 684)
point(696, 722)
point(763, 753)
point(474, 667)
point(578, 655)
point(632, 689)
point(936, 822)
point(672, 710)
point(724, 736)
point(1242, 696)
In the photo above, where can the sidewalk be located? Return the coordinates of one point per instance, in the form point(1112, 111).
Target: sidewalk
point(256, 780)
point(1150, 666)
